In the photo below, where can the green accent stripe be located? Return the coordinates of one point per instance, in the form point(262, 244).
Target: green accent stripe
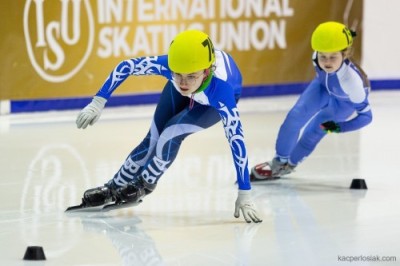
point(205, 84)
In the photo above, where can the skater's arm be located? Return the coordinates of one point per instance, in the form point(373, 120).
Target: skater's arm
point(234, 134)
point(353, 85)
point(363, 118)
point(156, 65)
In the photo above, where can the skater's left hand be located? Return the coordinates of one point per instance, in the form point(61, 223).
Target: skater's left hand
point(330, 126)
point(245, 204)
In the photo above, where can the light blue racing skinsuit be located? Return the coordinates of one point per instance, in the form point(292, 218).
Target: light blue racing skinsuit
point(178, 116)
point(329, 97)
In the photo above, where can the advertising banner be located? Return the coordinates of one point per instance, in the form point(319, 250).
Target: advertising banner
point(66, 48)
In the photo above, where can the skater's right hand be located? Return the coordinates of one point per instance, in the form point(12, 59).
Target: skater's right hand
point(91, 113)
point(330, 126)
point(245, 204)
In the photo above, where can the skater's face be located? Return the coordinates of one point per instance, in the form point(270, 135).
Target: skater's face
point(330, 62)
point(189, 83)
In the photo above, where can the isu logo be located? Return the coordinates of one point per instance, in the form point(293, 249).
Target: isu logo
point(59, 36)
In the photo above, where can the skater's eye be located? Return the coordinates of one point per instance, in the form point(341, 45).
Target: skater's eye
point(189, 79)
point(328, 57)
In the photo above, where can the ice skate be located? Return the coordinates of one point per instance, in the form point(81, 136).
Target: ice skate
point(262, 172)
point(270, 170)
point(94, 199)
point(107, 197)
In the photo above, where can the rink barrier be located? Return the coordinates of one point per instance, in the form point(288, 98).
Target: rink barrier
point(40, 105)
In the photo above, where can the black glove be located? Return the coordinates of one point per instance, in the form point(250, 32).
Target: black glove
point(330, 126)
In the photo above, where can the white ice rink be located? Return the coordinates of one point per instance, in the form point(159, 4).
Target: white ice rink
point(310, 218)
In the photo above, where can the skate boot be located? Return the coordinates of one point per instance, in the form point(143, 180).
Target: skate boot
point(134, 191)
point(270, 170)
point(279, 168)
point(98, 196)
point(114, 198)
point(131, 194)
point(95, 198)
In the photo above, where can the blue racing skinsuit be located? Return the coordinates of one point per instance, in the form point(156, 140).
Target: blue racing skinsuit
point(329, 97)
point(178, 116)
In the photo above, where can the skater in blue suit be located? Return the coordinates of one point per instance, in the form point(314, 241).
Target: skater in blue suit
point(335, 101)
point(203, 87)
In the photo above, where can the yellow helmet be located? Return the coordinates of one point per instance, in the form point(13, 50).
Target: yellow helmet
point(331, 37)
point(190, 51)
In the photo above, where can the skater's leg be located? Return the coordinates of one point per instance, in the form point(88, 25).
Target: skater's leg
point(171, 103)
point(177, 129)
point(312, 135)
point(309, 103)
point(187, 122)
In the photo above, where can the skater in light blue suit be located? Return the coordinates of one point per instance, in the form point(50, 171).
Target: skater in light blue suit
point(335, 101)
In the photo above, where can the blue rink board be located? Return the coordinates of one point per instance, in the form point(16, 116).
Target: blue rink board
point(20, 106)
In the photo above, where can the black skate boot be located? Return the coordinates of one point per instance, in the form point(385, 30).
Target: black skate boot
point(95, 197)
point(98, 196)
point(131, 194)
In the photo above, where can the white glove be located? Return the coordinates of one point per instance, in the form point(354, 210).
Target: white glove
point(246, 205)
point(91, 113)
